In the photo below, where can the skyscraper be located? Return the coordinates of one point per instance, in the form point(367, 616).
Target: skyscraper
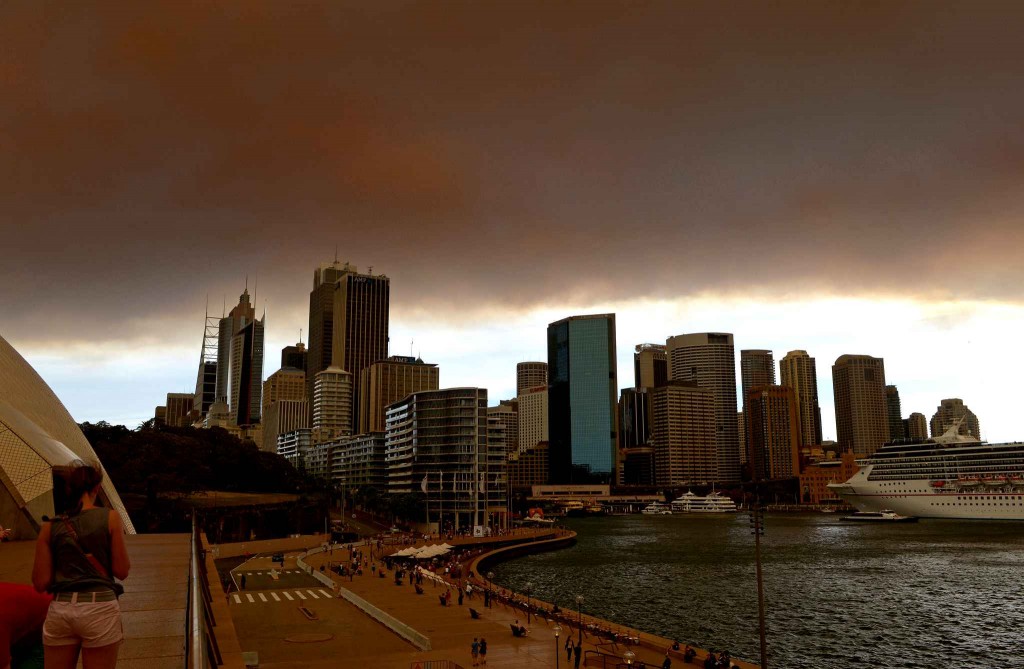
point(709, 360)
point(683, 435)
point(635, 414)
point(332, 405)
point(294, 356)
point(361, 305)
point(583, 390)
point(799, 372)
point(321, 321)
point(773, 432)
point(387, 381)
point(947, 413)
point(506, 414)
point(650, 365)
point(894, 412)
point(245, 378)
point(530, 375)
point(757, 368)
point(240, 315)
point(533, 418)
point(862, 417)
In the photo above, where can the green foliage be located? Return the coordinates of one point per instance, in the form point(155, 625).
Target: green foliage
point(157, 459)
point(409, 506)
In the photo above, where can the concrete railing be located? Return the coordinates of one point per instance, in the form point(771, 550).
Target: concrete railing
point(417, 639)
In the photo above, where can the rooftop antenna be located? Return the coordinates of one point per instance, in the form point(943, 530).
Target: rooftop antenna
point(224, 307)
point(335, 254)
point(247, 283)
point(300, 335)
point(410, 347)
point(256, 284)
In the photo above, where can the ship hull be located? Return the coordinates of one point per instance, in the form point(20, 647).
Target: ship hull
point(917, 498)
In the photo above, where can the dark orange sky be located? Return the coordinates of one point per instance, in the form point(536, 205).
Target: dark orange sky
point(503, 154)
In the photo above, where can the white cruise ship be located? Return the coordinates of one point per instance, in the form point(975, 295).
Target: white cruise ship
point(952, 476)
point(713, 503)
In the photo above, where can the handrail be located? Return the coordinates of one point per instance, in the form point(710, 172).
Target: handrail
point(197, 649)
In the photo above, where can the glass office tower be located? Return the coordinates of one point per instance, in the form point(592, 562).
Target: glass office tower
point(583, 390)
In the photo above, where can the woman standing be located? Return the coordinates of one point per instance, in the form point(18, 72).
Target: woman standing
point(78, 556)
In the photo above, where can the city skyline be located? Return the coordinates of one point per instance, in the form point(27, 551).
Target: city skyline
point(845, 181)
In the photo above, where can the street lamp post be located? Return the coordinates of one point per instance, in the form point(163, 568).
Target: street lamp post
point(558, 651)
point(527, 588)
point(490, 587)
point(579, 617)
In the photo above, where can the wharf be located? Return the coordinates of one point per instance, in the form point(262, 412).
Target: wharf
point(342, 630)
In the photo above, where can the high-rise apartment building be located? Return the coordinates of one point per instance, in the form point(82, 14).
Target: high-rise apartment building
point(294, 356)
point(773, 432)
point(530, 375)
point(387, 381)
point(683, 434)
point(359, 462)
point(916, 426)
point(582, 400)
point(533, 418)
point(179, 406)
point(650, 365)
point(862, 417)
point(332, 405)
point(507, 415)
point(436, 442)
point(709, 360)
point(948, 412)
point(894, 412)
point(799, 372)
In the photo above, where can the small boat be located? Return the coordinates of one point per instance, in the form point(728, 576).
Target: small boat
point(938, 484)
point(994, 481)
point(828, 509)
point(968, 481)
point(657, 509)
point(883, 516)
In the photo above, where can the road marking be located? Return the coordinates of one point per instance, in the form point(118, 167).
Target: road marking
point(249, 597)
point(301, 596)
point(312, 594)
point(259, 573)
point(325, 593)
point(263, 597)
point(274, 595)
point(290, 598)
point(238, 600)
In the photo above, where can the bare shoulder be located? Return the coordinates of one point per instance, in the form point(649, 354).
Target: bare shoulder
point(114, 521)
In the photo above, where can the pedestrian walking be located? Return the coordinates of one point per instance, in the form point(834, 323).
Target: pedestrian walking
point(487, 599)
point(243, 582)
point(667, 664)
point(483, 652)
point(578, 652)
point(460, 598)
point(568, 649)
point(474, 648)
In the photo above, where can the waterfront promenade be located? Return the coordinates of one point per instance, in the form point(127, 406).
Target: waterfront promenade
point(284, 637)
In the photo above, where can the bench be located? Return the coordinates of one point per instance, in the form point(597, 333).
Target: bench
point(474, 614)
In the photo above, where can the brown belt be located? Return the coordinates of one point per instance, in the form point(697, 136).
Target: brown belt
point(85, 597)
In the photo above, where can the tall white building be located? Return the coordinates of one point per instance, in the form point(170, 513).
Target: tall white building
point(799, 372)
point(332, 404)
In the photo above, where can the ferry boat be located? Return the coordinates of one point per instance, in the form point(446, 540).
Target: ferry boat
point(657, 509)
point(713, 503)
point(950, 476)
point(884, 516)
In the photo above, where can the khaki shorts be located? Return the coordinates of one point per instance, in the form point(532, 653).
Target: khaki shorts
point(91, 624)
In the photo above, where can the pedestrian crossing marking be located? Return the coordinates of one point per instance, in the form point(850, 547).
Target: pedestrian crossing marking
point(301, 596)
point(290, 598)
point(238, 600)
point(274, 595)
point(325, 593)
point(312, 594)
point(263, 597)
point(249, 597)
point(259, 573)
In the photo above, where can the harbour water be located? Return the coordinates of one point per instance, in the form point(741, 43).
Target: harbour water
point(838, 594)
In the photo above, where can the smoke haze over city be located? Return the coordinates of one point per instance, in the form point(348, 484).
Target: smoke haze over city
point(829, 177)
